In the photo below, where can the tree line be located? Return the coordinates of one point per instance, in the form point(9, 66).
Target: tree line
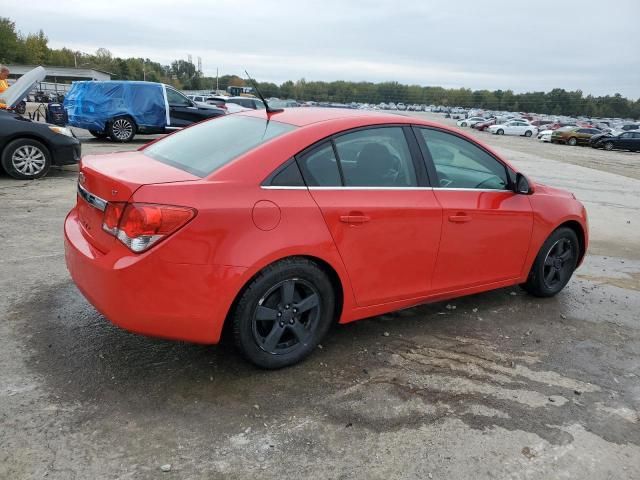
point(32, 49)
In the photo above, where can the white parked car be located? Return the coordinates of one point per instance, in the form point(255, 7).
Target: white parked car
point(514, 127)
point(545, 135)
point(470, 122)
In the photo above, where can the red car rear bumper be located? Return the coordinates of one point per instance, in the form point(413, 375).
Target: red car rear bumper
point(146, 295)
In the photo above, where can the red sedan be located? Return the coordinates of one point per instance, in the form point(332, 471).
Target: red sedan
point(282, 223)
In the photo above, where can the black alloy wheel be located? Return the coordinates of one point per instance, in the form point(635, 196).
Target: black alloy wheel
point(286, 316)
point(554, 264)
point(558, 263)
point(283, 313)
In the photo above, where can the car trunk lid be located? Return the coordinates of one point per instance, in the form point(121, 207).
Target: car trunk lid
point(114, 178)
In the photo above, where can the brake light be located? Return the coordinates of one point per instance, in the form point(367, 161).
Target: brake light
point(112, 215)
point(141, 225)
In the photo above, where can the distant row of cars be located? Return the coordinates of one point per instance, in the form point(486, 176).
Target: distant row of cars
point(561, 133)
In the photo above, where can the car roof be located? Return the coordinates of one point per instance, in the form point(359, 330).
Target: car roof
point(301, 117)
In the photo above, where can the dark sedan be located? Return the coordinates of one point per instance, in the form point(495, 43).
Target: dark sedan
point(28, 149)
point(624, 141)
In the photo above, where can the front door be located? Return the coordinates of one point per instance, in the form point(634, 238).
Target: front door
point(383, 217)
point(182, 111)
point(486, 228)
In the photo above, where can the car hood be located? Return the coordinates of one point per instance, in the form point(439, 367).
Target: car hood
point(16, 92)
point(546, 132)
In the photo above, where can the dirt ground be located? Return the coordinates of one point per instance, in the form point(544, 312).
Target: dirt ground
point(497, 385)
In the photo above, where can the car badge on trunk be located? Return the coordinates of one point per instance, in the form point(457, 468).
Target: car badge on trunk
point(81, 178)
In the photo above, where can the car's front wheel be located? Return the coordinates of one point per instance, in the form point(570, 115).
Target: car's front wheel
point(122, 129)
point(528, 133)
point(500, 132)
point(283, 313)
point(26, 159)
point(554, 264)
point(608, 146)
point(573, 141)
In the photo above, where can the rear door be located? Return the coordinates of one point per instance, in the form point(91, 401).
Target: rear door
point(486, 227)
point(374, 195)
point(182, 111)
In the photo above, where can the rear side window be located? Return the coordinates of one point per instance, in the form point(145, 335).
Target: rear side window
point(376, 157)
point(320, 168)
point(205, 147)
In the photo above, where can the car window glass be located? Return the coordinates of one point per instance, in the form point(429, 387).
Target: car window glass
point(636, 135)
point(461, 164)
point(376, 157)
point(205, 147)
point(320, 168)
point(289, 176)
point(177, 99)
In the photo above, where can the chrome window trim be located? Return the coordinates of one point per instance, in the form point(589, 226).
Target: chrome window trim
point(271, 187)
point(92, 199)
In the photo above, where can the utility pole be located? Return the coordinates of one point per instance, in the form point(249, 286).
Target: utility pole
point(217, 85)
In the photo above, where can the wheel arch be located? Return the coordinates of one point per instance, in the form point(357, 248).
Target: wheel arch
point(331, 272)
point(580, 233)
point(27, 136)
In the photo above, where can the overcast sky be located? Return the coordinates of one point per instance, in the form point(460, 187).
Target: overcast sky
point(523, 46)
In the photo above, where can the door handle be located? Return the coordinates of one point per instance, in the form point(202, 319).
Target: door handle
point(460, 217)
point(354, 219)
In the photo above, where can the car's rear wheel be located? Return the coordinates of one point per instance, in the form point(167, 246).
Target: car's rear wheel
point(121, 129)
point(98, 134)
point(608, 146)
point(500, 132)
point(26, 159)
point(528, 133)
point(573, 141)
point(283, 313)
point(554, 264)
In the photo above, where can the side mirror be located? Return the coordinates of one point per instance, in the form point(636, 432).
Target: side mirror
point(522, 185)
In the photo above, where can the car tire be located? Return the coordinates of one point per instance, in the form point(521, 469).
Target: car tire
point(26, 159)
point(268, 329)
point(98, 134)
point(608, 146)
point(463, 124)
point(554, 264)
point(500, 132)
point(573, 141)
point(528, 133)
point(121, 129)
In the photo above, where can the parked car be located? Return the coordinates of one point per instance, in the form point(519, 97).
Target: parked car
point(281, 225)
point(630, 126)
point(470, 122)
point(482, 126)
point(247, 102)
point(629, 140)
point(514, 127)
point(28, 149)
point(121, 109)
point(573, 135)
point(545, 135)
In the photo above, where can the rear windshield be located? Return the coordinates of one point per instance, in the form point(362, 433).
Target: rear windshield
point(204, 148)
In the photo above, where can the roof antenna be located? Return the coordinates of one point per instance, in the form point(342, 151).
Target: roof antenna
point(266, 105)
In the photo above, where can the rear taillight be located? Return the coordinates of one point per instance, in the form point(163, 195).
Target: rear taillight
point(141, 225)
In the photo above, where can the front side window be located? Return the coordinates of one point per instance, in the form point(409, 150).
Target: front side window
point(176, 99)
point(205, 147)
point(461, 164)
point(376, 157)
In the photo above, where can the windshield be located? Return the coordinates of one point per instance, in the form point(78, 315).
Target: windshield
point(206, 147)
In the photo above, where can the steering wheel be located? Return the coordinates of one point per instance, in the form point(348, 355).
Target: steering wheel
point(485, 181)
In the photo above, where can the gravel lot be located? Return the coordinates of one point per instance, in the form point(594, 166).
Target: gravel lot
point(497, 385)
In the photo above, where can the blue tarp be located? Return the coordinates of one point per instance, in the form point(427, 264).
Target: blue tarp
point(91, 105)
